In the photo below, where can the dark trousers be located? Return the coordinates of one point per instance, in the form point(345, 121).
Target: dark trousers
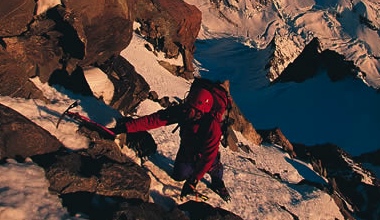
point(184, 170)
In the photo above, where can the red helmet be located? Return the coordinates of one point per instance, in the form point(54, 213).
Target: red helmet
point(201, 100)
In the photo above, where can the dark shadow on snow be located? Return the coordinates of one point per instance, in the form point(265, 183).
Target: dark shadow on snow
point(310, 183)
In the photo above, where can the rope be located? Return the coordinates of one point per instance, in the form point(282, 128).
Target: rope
point(244, 171)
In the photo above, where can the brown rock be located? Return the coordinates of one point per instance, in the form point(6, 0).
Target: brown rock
point(275, 136)
point(241, 124)
point(105, 27)
point(124, 180)
point(14, 81)
point(201, 210)
point(145, 210)
point(355, 189)
point(130, 87)
point(169, 23)
point(39, 55)
point(61, 39)
point(21, 137)
point(15, 16)
point(79, 172)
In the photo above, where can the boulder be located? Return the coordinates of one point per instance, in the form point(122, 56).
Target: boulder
point(104, 27)
point(172, 26)
point(242, 124)
point(276, 137)
point(73, 172)
point(201, 210)
point(355, 189)
point(145, 210)
point(38, 49)
point(15, 16)
point(14, 80)
point(20, 137)
point(130, 87)
point(61, 40)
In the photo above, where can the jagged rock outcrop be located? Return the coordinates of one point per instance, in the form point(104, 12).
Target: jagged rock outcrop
point(130, 88)
point(95, 170)
point(72, 172)
point(241, 124)
point(58, 44)
point(172, 26)
point(201, 210)
point(310, 60)
point(14, 22)
point(61, 40)
point(149, 211)
point(14, 80)
point(354, 189)
point(276, 137)
point(371, 157)
point(19, 137)
point(104, 27)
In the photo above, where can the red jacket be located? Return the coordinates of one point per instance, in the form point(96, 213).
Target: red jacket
point(199, 139)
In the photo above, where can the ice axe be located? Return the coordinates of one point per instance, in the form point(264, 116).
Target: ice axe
point(86, 122)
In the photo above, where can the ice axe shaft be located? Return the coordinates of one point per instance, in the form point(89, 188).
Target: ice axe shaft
point(87, 122)
point(73, 105)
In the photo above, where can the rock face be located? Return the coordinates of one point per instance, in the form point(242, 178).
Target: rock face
point(354, 189)
point(201, 210)
point(130, 87)
point(64, 38)
point(276, 137)
point(57, 45)
point(72, 172)
point(14, 80)
point(242, 125)
point(307, 64)
point(99, 173)
point(104, 27)
point(14, 22)
point(172, 26)
point(19, 137)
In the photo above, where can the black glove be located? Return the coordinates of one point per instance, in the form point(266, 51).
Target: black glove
point(120, 126)
point(189, 187)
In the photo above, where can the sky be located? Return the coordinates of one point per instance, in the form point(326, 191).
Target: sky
point(255, 195)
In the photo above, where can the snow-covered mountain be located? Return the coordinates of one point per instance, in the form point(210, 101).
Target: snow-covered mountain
point(350, 28)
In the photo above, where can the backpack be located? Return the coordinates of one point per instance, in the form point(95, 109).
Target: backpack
point(222, 99)
point(221, 106)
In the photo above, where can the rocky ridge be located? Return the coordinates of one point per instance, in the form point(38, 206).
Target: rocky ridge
point(349, 29)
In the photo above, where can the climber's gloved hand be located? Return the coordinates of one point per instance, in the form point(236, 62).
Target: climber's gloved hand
point(189, 187)
point(120, 126)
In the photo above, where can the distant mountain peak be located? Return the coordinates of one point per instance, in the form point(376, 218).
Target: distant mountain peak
point(349, 28)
